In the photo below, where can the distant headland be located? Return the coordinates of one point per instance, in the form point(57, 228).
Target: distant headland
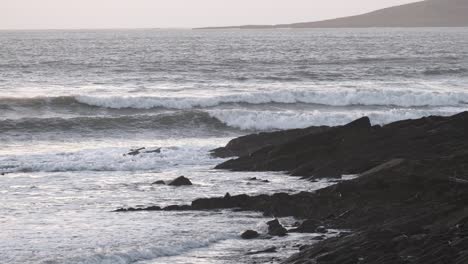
point(428, 13)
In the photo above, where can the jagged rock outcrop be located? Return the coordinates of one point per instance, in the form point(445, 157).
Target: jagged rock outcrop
point(358, 146)
point(408, 205)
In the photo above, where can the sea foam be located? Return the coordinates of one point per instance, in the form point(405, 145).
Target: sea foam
point(270, 120)
point(332, 97)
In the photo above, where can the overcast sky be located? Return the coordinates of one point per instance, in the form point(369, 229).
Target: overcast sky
point(55, 14)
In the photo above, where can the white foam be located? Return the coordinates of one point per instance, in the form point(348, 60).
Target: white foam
point(139, 254)
point(107, 159)
point(329, 96)
point(266, 120)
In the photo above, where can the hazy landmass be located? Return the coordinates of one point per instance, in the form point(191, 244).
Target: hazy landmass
point(428, 13)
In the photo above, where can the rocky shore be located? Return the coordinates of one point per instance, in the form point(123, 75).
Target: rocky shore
point(408, 205)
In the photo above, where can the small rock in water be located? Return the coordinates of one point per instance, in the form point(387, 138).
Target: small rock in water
point(134, 152)
point(156, 150)
point(308, 226)
point(268, 250)
point(250, 234)
point(276, 229)
point(138, 151)
point(321, 229)
point(158, 183)
point(181, 181)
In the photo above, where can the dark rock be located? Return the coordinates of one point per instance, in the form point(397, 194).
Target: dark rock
point(150, 208)
point(134, 152)
point(156, 150)
point(158, 183)
point(411, 184)
point(276, 229)
point(250, 234)
point(308, 226)
point(321, 229)
point(177, 208)
point(268, 250)
point(180, 181)
point(138, 151)
point(248, 144)
point(303, 247)
point(357, 147)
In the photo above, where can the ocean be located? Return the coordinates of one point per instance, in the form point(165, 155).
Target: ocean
point(74, 103)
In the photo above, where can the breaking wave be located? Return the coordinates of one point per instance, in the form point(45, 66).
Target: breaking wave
point(271, 120)
point(332, 97)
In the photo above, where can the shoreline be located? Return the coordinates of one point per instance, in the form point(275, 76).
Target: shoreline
point(408, 204)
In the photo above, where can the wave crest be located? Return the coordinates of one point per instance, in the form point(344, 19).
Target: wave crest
point(329, 96)
point(332, 97)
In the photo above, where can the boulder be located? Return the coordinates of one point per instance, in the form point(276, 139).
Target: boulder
point(180, 181)
point(158, 183)
point(250, 234)
point(276, 229)
point(321, 229)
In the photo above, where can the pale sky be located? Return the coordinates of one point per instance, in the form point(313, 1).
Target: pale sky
point(80, 14)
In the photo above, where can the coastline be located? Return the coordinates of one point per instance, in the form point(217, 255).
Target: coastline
point(407, 205)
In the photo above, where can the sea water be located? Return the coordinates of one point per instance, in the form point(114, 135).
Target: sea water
point(74, 103)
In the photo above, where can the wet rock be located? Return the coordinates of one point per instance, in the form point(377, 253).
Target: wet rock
point(322, 237)
point(276, 229)
point(138, 151)
point(158, 183)
point(308, 226)
point(250, 234)
point(134, 152)
point(268, 250)
point(150, 208)
point(412, 183)
point(303, 247)
point(247, 145)
point(321, 229)
point(180, 181)
point(156, 150)
point(177, 208)
point(357, 147)
point(258, 180)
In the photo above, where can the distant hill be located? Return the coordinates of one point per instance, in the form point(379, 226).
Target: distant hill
point(428, 13)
